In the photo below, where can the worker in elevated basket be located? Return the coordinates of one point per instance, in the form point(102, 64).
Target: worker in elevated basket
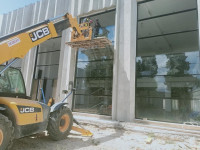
point(97, 26)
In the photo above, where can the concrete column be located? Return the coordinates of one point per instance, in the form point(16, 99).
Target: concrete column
point(66, 67)
point(123, 99)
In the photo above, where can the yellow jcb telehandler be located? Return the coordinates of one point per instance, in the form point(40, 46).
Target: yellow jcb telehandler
point(20, 116)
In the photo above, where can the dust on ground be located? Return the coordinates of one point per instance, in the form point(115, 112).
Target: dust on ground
point(110, 139)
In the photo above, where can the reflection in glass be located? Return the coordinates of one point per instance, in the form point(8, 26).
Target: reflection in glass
point(94, 81)
point(94, 72)
point(167, 63)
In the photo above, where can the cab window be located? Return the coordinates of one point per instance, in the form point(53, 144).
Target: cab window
point(11, 81)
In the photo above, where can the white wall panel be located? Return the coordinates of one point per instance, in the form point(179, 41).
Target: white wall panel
point(36, 12)
point(13, 20)
point(1, 19)
point(85, 6)
point(100, 4)
point(18, 21)
point(60, 7)
point(95, 5)
point(45, 9)
point(28, 14)
point(74, 7)
point(51, 9)
point(8, 23)
point(3, 26)
point(80, 6)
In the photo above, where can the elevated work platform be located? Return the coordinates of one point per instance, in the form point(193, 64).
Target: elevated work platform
point(100, 42)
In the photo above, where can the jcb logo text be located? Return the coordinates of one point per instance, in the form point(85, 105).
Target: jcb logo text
point(38, 34)
point(27, 110)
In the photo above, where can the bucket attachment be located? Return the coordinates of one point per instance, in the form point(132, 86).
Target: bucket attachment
point(81, 130)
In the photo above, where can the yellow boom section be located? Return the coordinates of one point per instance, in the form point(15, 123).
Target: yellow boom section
point(19, 45)
point(16, 45)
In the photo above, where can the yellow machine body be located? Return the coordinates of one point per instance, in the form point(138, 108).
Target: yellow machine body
point(24, 110)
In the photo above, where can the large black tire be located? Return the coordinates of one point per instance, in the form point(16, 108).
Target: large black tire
point(60, 123)
point(6, 133)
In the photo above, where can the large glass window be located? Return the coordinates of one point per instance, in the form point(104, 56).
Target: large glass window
point(46, 69)
point(168, 61)
point(94, 72)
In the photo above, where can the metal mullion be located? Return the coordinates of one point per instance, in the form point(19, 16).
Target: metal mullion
point(60, 36)
point(144, 1)
point(167, 34)
point(165, 97)
point(94, 77)
point(96, 60)
point(75, 76)
point(184, 75)
point(92, 95)
point(49, 51)
point(169, 14)
point(47, 65)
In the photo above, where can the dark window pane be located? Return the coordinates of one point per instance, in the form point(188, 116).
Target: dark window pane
point(161, 7)
point(50, 45)
point(168, 24)
point(50, 58)
point(48, 72)
point(175, 43)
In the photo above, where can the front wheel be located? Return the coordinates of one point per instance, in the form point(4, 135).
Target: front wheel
point(60, 123)
point(6, 133)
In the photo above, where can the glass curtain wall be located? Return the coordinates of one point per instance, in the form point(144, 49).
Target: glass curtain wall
point(94, 72)
point(168, 61)
point(46, 71)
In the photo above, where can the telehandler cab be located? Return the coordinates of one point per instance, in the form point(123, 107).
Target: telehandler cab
point(20, 116)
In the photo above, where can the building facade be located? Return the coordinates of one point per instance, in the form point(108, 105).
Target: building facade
point(151, 70)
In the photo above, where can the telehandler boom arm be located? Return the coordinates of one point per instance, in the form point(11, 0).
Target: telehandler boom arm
point(16, 45)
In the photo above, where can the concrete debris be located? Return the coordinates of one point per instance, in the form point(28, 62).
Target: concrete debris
point(111, 138)
point(149, 140)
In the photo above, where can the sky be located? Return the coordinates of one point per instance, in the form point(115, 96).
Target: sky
point(9, 5)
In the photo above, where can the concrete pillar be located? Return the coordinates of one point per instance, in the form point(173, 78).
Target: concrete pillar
point(67, 67)
point(123, 99)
